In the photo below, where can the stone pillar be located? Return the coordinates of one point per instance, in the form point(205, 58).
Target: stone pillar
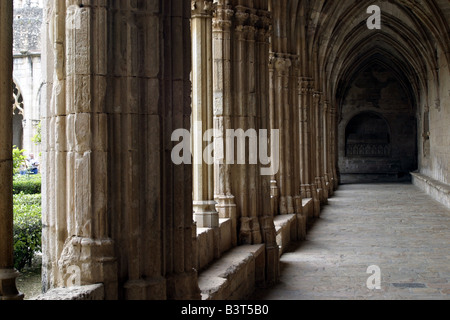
point(329, 179)
point(274, 188)
point(303, 131)
point(334, 144)
point(117, 210)
point(319, 118)
point(76, 240)
point(316, 144)
point(296, 136)
point(264, 183)
point(8, 289)
point(308, 187)
point(223, 100)
point(205, 213)
point(281, 115)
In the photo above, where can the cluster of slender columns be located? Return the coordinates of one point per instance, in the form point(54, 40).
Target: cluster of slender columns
point(240, 80)
point(245, 79)
point(117, 210)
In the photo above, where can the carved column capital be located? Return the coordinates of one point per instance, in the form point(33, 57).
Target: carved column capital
point(222, 18)
point(265, 19)
point(317, 95)
point(326, 106)
point(201, 8)
point(281, 65)
point(241, 15)
point(253, 18)
point(303, 83)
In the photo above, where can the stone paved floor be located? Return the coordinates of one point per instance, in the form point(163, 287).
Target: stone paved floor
point(394, 226)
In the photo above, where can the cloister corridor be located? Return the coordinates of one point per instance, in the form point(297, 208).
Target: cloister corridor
point(186, 146)
point(393, 226)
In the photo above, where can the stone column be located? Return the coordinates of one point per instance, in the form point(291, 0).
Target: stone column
point(316, 144)
point(327, 149)
point(312, 148)
point(76, 239)
point(333, 148)
point(303, 131)
point(281, 109)
point(223, 100)
point(296, 135)
point(8, 289)
point(240, 74)
point(319, 118)
point(205, 213)
point(309, 188)
point(274, 189)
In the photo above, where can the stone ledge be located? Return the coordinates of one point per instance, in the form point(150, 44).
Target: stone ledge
point(308, 206)
point(86, 293)
point(235, 275)
point(211, 242)
point(286, 229)
point(436, 189)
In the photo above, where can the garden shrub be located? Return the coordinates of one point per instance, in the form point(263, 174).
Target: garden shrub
point(18, 159)
point(27, 228)
point(28, 184)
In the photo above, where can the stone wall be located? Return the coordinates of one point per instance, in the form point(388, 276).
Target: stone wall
point(434, 133)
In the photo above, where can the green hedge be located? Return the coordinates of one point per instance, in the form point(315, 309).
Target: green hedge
point(28, 184)
point(27, 228)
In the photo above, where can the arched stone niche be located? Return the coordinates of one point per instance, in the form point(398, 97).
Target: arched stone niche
point(367, 135)
point(377, 128)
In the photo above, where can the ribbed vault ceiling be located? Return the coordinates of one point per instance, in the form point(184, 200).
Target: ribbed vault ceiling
point(333, 41)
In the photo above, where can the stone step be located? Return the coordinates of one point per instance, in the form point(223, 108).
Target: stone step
point(235, 275)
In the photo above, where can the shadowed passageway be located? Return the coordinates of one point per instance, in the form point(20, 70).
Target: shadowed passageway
point(393, 226)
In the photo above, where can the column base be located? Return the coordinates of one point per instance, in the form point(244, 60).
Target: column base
point(298, 205)
point(325, 190)
point(330, 185)
point(250, 231)
point(8, 289)
point(226, 206)
point(287, 205)
point(316, 200)
point(205, 214)
point(272, 254)
point(305, 191)
point(86, 261)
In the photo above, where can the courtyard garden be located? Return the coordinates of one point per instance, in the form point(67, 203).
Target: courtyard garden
point(27, 228)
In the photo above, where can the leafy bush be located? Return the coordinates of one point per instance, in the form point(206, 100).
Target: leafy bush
point(27, 228)
point(28, 184)
point(18, 159)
